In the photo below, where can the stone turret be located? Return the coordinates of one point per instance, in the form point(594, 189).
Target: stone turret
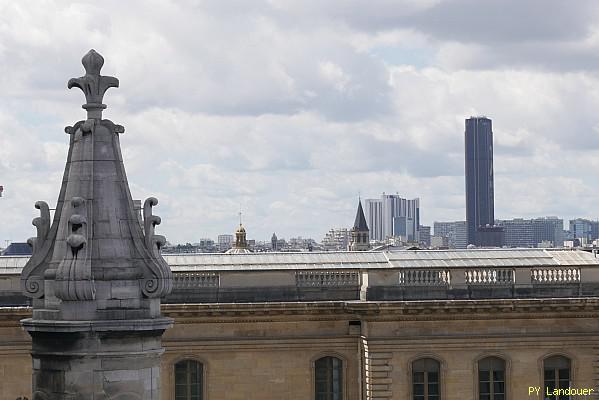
point(241, 245)
point(95, 276)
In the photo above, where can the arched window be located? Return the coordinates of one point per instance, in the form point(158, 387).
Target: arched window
point(556, 375)
point(426, 379)
point(491, 379)
point(189, 383)
point(328, 379)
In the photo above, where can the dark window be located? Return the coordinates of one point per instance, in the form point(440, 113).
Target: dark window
point(491, 379)
point(188, 380)
point(426, 379)
point(556, 375)
point(328, 379)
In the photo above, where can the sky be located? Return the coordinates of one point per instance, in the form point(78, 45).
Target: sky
point(290, 110)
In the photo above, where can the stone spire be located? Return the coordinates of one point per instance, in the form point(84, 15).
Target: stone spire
point(94, 270)
point(359, 233)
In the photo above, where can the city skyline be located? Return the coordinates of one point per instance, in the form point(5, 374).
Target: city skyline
point(310, 105)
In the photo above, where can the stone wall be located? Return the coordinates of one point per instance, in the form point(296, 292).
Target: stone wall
point(267, 350)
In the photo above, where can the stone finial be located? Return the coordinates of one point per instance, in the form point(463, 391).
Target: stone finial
point(94, 279)
point(93, 84)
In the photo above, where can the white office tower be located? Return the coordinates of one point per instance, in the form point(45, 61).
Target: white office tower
point(392, 215)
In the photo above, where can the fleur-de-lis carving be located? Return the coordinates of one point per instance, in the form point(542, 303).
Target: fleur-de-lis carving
point(92, 83)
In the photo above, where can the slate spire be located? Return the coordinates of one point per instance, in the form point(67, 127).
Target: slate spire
point(360, 221)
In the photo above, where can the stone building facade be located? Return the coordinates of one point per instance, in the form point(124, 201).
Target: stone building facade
point(362, 325)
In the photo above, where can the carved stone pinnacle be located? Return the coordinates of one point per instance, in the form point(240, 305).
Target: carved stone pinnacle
point(93, 84)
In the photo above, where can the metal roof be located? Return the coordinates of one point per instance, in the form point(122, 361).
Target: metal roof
point(275, 261)
point(507, 258)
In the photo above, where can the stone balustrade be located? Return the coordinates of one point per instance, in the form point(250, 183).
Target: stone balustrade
point(420, 275)
point(489, 276)
point(424, 277)
point(554, 275)
point(328, 278)
point(192, 280)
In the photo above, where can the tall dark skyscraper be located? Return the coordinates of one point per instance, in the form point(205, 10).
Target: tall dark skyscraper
point(479, 177)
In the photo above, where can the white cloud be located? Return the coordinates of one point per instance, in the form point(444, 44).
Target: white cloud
point(290, 109)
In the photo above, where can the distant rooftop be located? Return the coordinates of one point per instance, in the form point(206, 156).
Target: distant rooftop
point(17, 249)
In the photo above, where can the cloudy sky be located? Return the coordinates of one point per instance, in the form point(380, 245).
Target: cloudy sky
point(290, 109)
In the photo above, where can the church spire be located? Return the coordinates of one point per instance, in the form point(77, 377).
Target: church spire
point(360, 221)
point(360, 240)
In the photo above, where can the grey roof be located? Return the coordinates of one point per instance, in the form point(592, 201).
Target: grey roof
point(486, 258)
point(360, 222)
point(18, 249)
point(360, 260)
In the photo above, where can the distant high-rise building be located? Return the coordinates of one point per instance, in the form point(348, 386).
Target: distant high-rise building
point(518, 232)
point(300, 243)
point(206, 245)
point(392, 215)
point(439, 242)
point(455, 232)
point(274, 242)
point(336, 239)
point(521, 232)
point(479, 178)
point(373, 212)
point(425, 235)
point(549, 229)
point(225, 242)
point(585, 229)
point(490, 236)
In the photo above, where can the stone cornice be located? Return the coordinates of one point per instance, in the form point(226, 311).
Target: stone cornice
point(380, 311)
point(369, 311)
point(12, 316)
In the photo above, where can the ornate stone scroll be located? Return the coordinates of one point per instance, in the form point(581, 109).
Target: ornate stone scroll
point(159, 282)
point(74, 279)
point(32, 285)
point(42, 223)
